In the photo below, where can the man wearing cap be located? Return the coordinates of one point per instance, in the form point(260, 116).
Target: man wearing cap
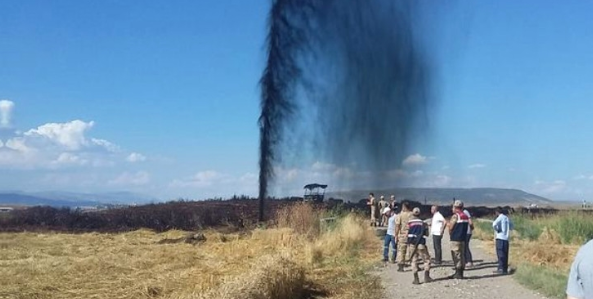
point(390, 238)
point(401, 231)
point(382, 205)
point(458, 232)
point(417, 232)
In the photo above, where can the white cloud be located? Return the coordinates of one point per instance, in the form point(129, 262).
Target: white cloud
point(477, 165)
point(110, 147)
point(131, 179)
point(18, 145)
point(201, 179)
point(212, 183)
point(249, 178)
point(417, 173)
point(69, 159)
point(344, 172)
point(69, 135)
point(442, 181)
point(583, 177)
point(136, 157)
point(556, 186)
point(6, 108)
point(415, 159)
point(55, 145)
point(72, 181)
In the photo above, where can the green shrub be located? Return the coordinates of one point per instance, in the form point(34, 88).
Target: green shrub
point(527, 228)
point(484, 226)
point(574, 228)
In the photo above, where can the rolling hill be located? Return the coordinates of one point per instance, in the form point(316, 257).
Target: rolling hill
point(472, 196)
point(71, 199)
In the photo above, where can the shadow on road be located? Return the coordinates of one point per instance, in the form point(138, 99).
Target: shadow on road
point(482, 266)
point(486, 276)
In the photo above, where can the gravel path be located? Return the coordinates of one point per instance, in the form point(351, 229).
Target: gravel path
point(480, 282)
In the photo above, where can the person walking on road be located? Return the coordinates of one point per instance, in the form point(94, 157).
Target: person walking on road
point(502, 226)
point(390, 237)
point(417, 232)
point(401, 231)
point(469, 261)
point(437, 229)
point(580, 279)
point(458, 232)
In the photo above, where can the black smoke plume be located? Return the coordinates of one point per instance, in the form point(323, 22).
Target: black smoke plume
point(350, 74)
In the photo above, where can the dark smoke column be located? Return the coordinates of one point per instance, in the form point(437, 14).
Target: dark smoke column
point(276, 98)
point(359, 64)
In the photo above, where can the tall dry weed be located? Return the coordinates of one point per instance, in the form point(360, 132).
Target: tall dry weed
point(549, 236)
point(347, 237)
point(302, 217)
point(349, 234)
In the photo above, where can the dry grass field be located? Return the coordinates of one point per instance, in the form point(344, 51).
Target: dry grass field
point(293, 260)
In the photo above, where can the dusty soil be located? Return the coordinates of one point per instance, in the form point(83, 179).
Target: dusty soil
point(479, 281)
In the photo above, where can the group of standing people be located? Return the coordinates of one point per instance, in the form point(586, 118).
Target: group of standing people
point(406, 236)
point(378, 217)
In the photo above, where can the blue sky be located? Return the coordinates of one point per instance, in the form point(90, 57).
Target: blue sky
point(163, 99)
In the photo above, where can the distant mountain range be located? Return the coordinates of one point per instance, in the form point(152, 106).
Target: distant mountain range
point(71, 199)
point(472, 196)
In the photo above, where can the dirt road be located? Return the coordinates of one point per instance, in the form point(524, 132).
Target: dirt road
point(480, 282)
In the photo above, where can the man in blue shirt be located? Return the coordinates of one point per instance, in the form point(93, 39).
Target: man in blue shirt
point(502, 226)
point(580, 280)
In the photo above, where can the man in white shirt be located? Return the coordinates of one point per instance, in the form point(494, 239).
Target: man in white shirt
point(390, 238)
point(437, 228)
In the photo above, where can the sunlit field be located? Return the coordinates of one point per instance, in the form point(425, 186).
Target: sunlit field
point(292, 259)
